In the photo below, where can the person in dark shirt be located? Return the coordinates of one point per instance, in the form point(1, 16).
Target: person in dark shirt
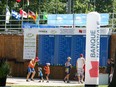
point(110, 69)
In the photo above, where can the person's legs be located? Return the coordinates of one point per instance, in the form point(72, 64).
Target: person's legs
point(28, 74)
point(47, 77)
point(79, 73)
point(82, 75)
point(65, 78)
point(33, 73)
point(42, 79)
point(68, 78)
point(78, 78)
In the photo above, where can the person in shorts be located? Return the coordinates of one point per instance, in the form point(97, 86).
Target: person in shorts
point(31, 69)
point(47, 71)
point(80, 70)
point(40, 74)
point(68, 67)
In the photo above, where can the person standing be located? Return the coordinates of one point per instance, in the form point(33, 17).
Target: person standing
point(40, 74)
point(108, 69)
point(80, 70)
point(47, 71)
point(31, 69)
point(112, 70)
point(68, 67)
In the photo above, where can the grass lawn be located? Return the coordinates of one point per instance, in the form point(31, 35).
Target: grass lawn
point(57, 86)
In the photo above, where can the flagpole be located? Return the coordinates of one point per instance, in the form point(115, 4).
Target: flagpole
point(22, 15)
point(5, 15)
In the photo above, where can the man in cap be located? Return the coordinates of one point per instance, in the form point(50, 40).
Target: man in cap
point(80, 70)
point(31, 69)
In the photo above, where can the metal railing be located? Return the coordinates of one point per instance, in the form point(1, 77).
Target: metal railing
point(15, 26)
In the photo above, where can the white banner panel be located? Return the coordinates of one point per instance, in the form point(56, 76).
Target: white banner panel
point(29, 51)
point(64, 31)
point(92, 49)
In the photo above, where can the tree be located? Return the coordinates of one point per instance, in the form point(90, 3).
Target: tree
point(104, 6)
point(82, 6)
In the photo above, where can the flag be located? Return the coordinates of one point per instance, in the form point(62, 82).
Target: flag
point(32, 15)
point(37, 19)
point(16, 15)
point(45, 16)
point(7, 15)
point(18, 1)
point(23, 13)
point(27, 2)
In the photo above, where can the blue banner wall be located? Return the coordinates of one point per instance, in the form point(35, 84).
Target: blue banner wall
point(56, 49)
point(46, 49)
point(78, 47)
point(63, 49)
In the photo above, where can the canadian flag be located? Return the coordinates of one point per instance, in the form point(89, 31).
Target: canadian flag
point(23, 13)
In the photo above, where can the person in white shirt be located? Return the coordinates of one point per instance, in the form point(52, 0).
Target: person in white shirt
point(80, 68)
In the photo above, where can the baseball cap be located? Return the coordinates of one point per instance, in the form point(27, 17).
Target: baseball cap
point(81, 55)
point(36, 59)
point(69, 58)
point(47, 63)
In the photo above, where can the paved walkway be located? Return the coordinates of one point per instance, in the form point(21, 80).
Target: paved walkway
point(22, 81)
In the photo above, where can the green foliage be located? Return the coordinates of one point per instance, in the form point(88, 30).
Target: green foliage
point(60, 6)
point(57, 7)
point(104, 6)
point(83, 6)
point(4, 69)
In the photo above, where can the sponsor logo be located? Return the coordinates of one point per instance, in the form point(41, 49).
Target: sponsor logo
point(42, 31)
point(53, 32)
point(95, 69)
point(29, 35)
point(66, 31)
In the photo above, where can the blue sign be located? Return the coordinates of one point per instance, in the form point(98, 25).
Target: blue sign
point(80, 19)
point(31, 25)
point(104, 19)
point(60, 19)
point(74, 19)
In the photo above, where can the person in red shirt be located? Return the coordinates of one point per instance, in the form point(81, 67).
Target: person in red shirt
point(31, 69)
point(47, 71)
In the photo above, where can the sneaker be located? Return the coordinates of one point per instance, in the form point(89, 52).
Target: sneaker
point(68, 81)
point(64, 80)
point(82, 82)
point(32, 79)
point(27, 80)
point(42, 80)
point(79, 82)
point(39, 81)
point(47, 81)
